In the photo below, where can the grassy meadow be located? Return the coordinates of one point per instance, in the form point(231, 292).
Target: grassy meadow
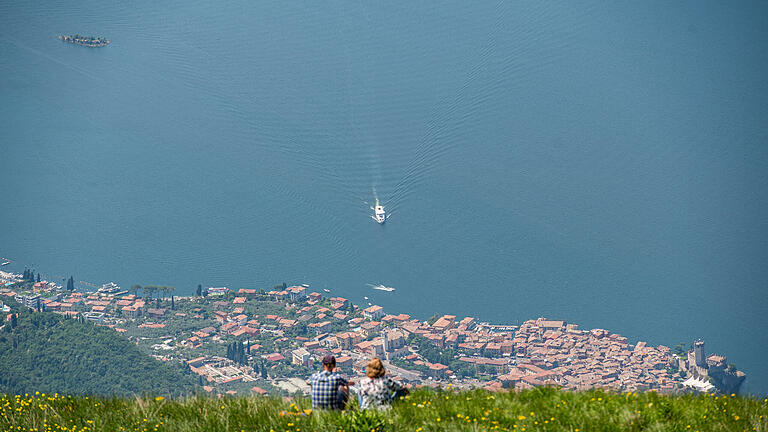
point(545, 409)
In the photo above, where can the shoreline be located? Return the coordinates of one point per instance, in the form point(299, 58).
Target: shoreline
point(297, 327)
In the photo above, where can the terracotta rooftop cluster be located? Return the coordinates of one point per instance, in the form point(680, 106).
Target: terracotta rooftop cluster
point(539, 352)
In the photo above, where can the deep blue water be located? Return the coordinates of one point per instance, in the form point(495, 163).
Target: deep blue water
point(602, 163)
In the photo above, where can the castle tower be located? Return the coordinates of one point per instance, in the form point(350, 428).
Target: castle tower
point(698, 354)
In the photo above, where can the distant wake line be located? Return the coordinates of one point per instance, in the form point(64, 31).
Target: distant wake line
point(440, 135)
point(54, 59)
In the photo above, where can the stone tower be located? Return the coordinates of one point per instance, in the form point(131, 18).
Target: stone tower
point(698, 354)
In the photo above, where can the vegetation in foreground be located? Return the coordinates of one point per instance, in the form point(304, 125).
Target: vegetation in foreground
point(544, 409)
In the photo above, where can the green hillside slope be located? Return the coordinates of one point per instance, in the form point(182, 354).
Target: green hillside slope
point(543, 409)
point(49, 353)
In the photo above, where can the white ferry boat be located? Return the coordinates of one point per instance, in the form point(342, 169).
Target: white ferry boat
point(379, 215)
point(109, 288)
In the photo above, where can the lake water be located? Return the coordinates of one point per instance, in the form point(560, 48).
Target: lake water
point(602, 163)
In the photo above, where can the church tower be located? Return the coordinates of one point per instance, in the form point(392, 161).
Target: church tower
point(385, 342)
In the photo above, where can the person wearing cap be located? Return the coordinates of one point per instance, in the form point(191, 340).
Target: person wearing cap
point(329, 389)
point(375, 390)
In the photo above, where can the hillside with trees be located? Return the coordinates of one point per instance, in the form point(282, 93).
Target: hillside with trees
point(48, 353)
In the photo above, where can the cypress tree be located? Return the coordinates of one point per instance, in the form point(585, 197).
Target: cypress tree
point(38, 277)
point(199, 290)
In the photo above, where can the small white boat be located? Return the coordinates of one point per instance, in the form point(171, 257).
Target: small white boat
point(379, 215)
point(366, 298)
point(326, 290)
point(382, 288)
point(5, 263)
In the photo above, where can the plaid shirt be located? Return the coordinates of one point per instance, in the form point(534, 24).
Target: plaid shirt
point(325, 389)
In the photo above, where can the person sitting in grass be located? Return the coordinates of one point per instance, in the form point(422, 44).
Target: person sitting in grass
point(375, 390)
point(329, 389)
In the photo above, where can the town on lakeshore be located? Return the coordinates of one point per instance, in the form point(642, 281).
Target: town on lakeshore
point(255, 341)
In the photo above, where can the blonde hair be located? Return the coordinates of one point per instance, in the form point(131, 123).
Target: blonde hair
point(375, 369)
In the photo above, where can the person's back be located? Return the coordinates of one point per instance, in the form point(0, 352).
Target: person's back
point(329, 389)
point(375, 390)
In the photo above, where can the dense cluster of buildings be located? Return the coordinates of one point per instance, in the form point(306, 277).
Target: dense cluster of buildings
point(537, 353)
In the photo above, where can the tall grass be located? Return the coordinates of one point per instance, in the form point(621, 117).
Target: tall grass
point(544, 409)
